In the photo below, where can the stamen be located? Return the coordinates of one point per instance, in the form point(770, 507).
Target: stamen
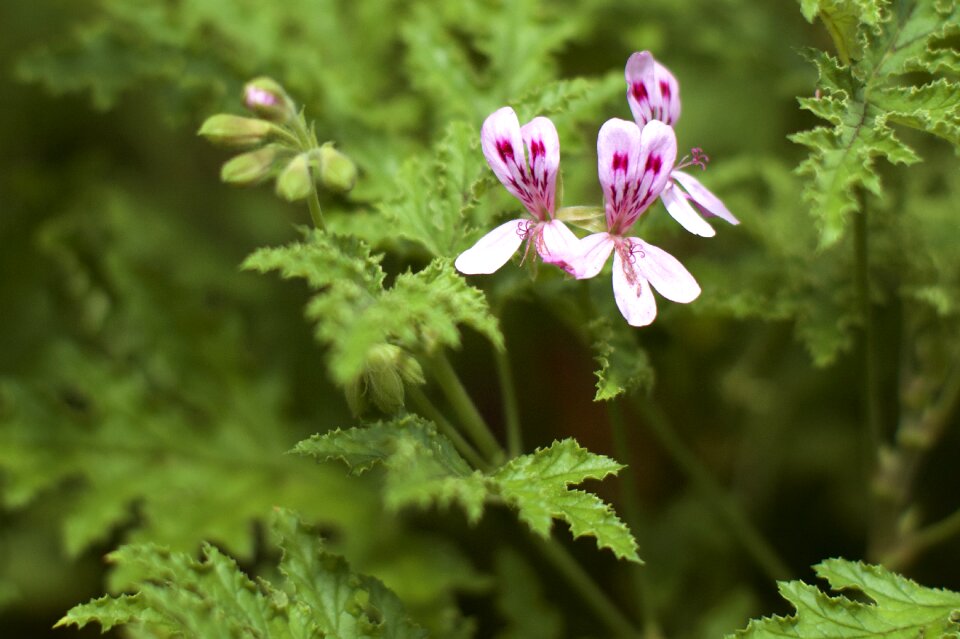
point(699, 158)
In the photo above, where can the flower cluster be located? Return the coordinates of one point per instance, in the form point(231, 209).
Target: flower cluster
point(637, 164)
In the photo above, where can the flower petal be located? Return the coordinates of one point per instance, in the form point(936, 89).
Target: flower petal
point(664, 272)
point(632, 294)
point(618, 154)
point(652, 91)
point(543, 147)
point(502, 145)
point(703, 197)
point(676, 202)
point(658, 153)
point(493, 250)
point(558, 245)
point(592, 253)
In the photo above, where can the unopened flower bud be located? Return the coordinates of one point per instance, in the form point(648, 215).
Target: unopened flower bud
point(265, 97)
point(234, 130)
point(249, 168)
point(387, 369)
point(337, 171)
point(295, 181)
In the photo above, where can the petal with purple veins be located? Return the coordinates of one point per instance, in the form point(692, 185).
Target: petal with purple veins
point(543, 149)
point(502, 145)
point(653, 93)
point(618, 156)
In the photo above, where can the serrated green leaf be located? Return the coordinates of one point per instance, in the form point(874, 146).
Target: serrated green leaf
point(902, 609)
point(536, 485)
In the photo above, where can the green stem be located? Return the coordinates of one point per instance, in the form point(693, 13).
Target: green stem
point(633, 515)
point(931, 535)
point(307, 142)
point(426, 408)
point(757, 547)
point(598, 601)
point(871, 389)
point(315, 213)
point(510, 408)
point(470, 418)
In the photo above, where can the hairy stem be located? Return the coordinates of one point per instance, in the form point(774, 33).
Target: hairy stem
point(510, 408)
point(426, 408)
point(632, 513)
point(763, 554)
point(470, 418)
point(597, 600)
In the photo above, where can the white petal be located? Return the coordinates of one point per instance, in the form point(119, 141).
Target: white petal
point(678, 207)
point(543, 149)
point(702, 196)
point(592, 253)
point(558, 245)
point(632, 294)
point(664, 272)
point(493, 250)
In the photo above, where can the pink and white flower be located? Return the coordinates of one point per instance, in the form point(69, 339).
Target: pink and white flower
point(534, 184)
point(634, 167)
point(654, 94)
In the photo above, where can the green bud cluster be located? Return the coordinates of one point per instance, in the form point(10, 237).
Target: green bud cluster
point(387, 369)
point(288, 149)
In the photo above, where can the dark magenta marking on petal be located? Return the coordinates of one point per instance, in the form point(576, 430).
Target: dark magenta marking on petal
point(537, 149)
point(665, 89)
point(639, 92)
point(505, 149)
point(654, 162)
point(620, 162)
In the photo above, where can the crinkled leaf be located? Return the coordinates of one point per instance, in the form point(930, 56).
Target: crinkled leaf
point(422, 466)
point(624, 365)
point(861, 97)
point(901, 609)
point(212, 597)
point(537, 485)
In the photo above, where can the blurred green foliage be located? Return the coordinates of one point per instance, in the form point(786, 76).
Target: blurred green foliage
point(149, 388)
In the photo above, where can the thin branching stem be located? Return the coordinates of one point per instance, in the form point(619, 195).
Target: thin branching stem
point(632, 512)
point(578, 578)
point(426, 408)
point(469, 417)
point(871, 389)
point(308, 142)
point(510, 408)
point(759, 549)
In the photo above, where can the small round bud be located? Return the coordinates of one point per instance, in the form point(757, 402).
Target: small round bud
point(234, 130)
point(337, 171)
point(265, 97)
point(249, 168)
point(295, 181)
